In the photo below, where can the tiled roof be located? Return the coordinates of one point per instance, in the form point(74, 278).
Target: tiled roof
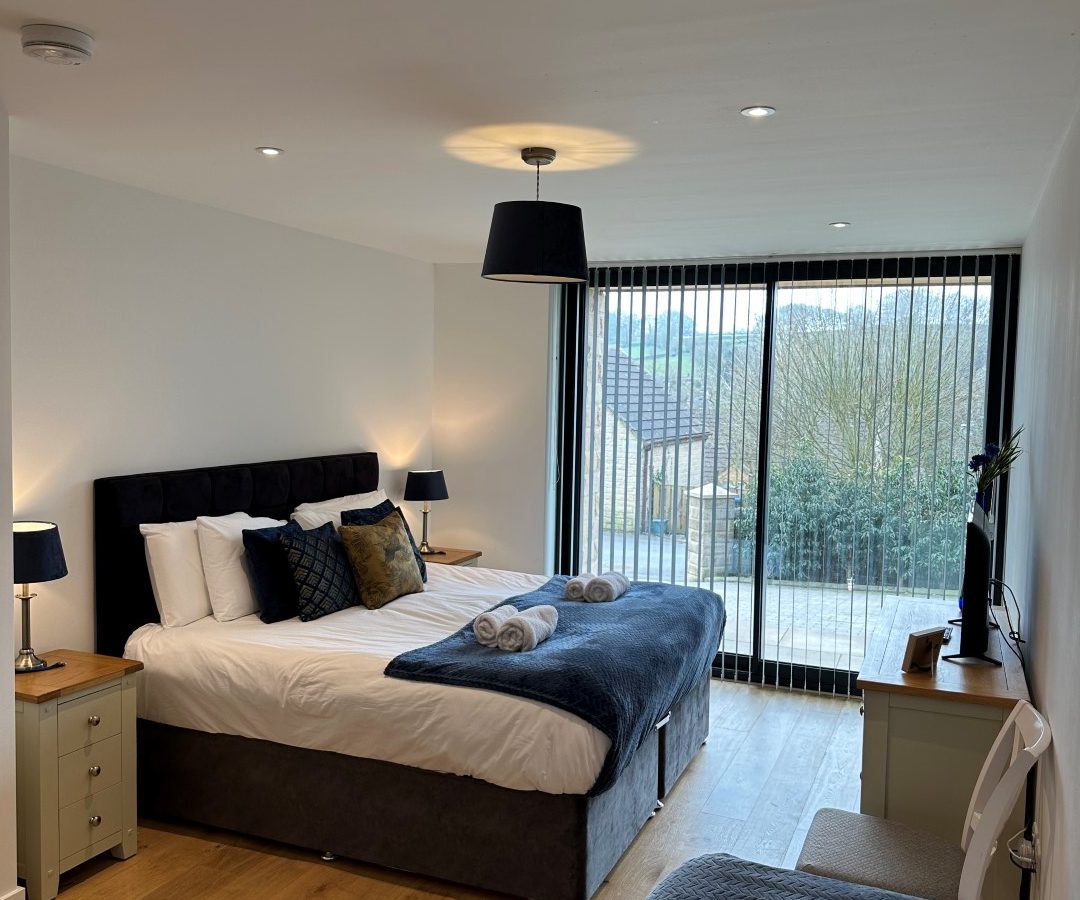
point(644, 403)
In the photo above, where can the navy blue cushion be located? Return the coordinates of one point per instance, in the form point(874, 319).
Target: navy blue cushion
point(271, 577)
point(376, 514)
point(320, 570)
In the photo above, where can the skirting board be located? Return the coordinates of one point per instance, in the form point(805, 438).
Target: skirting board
point(14, 894)
point(461, 829)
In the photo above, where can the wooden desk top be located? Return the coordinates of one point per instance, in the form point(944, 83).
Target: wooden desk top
point(965, 682)
point(452, 556)
point(82, 670)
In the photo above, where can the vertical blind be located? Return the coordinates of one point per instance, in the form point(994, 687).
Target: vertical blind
point(791, 434)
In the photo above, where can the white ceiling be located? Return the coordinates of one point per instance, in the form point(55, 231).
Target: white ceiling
point(928, 124)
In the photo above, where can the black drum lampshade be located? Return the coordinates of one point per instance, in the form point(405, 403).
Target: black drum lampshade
point(426, 484)
point(536, 241)
point(39, 555)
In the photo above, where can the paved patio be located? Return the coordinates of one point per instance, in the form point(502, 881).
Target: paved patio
point(825, 625)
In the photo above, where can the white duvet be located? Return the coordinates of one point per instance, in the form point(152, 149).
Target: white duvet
point(321, 685)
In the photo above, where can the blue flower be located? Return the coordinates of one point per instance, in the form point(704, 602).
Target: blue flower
point(978, 461)
point(990, 451)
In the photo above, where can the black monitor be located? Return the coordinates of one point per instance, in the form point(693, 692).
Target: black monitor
point(975, 618)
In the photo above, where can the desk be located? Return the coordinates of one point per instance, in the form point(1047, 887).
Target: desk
point(925, 736)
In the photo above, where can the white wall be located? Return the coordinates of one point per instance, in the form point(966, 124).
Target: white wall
point(7, 678)
point(490, 415)
point(1044, 505)
point(152, 333)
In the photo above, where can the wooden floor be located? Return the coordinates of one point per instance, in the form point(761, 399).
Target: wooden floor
point(773, 758)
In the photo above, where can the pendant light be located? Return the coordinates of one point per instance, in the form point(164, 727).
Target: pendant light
point(537, 240)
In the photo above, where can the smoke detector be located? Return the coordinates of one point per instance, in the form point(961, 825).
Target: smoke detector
point(57, 44)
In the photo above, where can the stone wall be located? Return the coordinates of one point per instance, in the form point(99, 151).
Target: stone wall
point(711, 512)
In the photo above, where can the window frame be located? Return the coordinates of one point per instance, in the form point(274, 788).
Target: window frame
point(1001, 267)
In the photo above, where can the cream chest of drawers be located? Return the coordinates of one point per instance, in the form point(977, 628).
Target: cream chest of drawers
point(926, 734)
point(75, 762)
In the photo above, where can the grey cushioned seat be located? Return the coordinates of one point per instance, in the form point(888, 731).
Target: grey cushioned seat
point(867, 850)
point(722, 877)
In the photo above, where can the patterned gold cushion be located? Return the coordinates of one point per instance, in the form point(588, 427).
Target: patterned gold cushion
point(382, 561)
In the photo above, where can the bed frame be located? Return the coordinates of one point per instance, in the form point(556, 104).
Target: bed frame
point(527, 843)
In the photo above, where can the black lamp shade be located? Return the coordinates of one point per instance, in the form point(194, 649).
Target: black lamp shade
point(536, 241)
point(39, 555)
point(428, 484)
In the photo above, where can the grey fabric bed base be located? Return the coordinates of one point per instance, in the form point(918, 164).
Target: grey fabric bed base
point(526, 843)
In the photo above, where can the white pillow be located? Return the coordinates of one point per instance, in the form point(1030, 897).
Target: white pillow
point(221, 546)
point(312, 515)
point(176, 573)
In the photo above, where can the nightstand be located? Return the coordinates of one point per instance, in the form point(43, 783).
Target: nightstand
point(75, 765)
point(451, 556)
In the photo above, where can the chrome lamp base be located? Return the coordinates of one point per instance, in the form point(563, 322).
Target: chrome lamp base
point(29, 661)
point(425, 548)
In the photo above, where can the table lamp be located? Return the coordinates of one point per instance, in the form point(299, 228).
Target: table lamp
point(39, 556)
point(426, 485)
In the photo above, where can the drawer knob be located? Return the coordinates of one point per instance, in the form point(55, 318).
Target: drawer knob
point(94, 721)
point(95, 821)
point(95, 771)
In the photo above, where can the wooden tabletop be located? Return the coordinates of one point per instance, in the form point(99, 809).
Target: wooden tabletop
point(452, 556)
point(81, 670)
point(967, 682)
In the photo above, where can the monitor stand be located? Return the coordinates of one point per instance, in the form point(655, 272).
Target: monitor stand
point(964, 658)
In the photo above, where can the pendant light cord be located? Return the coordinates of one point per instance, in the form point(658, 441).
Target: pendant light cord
point(538, 181)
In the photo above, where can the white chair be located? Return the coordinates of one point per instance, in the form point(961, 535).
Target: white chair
point(869, 851)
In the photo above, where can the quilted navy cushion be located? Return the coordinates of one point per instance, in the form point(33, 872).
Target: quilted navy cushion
point(271, 578)
point(376, 514)
point(722, 877)
point(320, 570)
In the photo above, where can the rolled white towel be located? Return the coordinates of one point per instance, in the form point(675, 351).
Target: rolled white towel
point(575, 587)
point(607, 587)
point(524, 631)
point(486, 625)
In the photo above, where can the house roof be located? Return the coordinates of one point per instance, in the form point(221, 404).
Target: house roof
point(645, 404)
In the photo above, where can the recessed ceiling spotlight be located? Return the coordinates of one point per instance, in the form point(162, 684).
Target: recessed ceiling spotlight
point(839, 224)
point(758, 112)
point(269, 151)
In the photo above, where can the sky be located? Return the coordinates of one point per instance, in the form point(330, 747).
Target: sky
point(738, 308)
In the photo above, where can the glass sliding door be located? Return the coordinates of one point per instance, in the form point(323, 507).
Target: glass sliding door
point(858, 388)
point(878, 399)
point(670, 432)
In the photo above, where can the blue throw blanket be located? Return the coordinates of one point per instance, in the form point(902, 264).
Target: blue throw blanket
point(619, 666)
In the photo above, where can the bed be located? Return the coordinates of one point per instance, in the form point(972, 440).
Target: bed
point(291, 732)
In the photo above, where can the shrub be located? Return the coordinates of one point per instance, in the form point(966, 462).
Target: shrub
point(896, 527)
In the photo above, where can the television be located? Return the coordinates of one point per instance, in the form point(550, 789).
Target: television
point(974, 619)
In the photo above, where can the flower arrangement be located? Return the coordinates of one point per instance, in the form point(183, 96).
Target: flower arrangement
point(995, 461)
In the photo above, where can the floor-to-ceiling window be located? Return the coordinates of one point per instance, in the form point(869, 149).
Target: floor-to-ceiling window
point(791, 434)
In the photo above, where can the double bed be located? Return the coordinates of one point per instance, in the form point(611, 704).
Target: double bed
point(291, 731)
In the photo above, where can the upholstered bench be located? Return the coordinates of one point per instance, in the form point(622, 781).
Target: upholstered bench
point(722, 877)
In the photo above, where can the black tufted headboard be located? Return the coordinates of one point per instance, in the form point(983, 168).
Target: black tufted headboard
point(123, 597)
